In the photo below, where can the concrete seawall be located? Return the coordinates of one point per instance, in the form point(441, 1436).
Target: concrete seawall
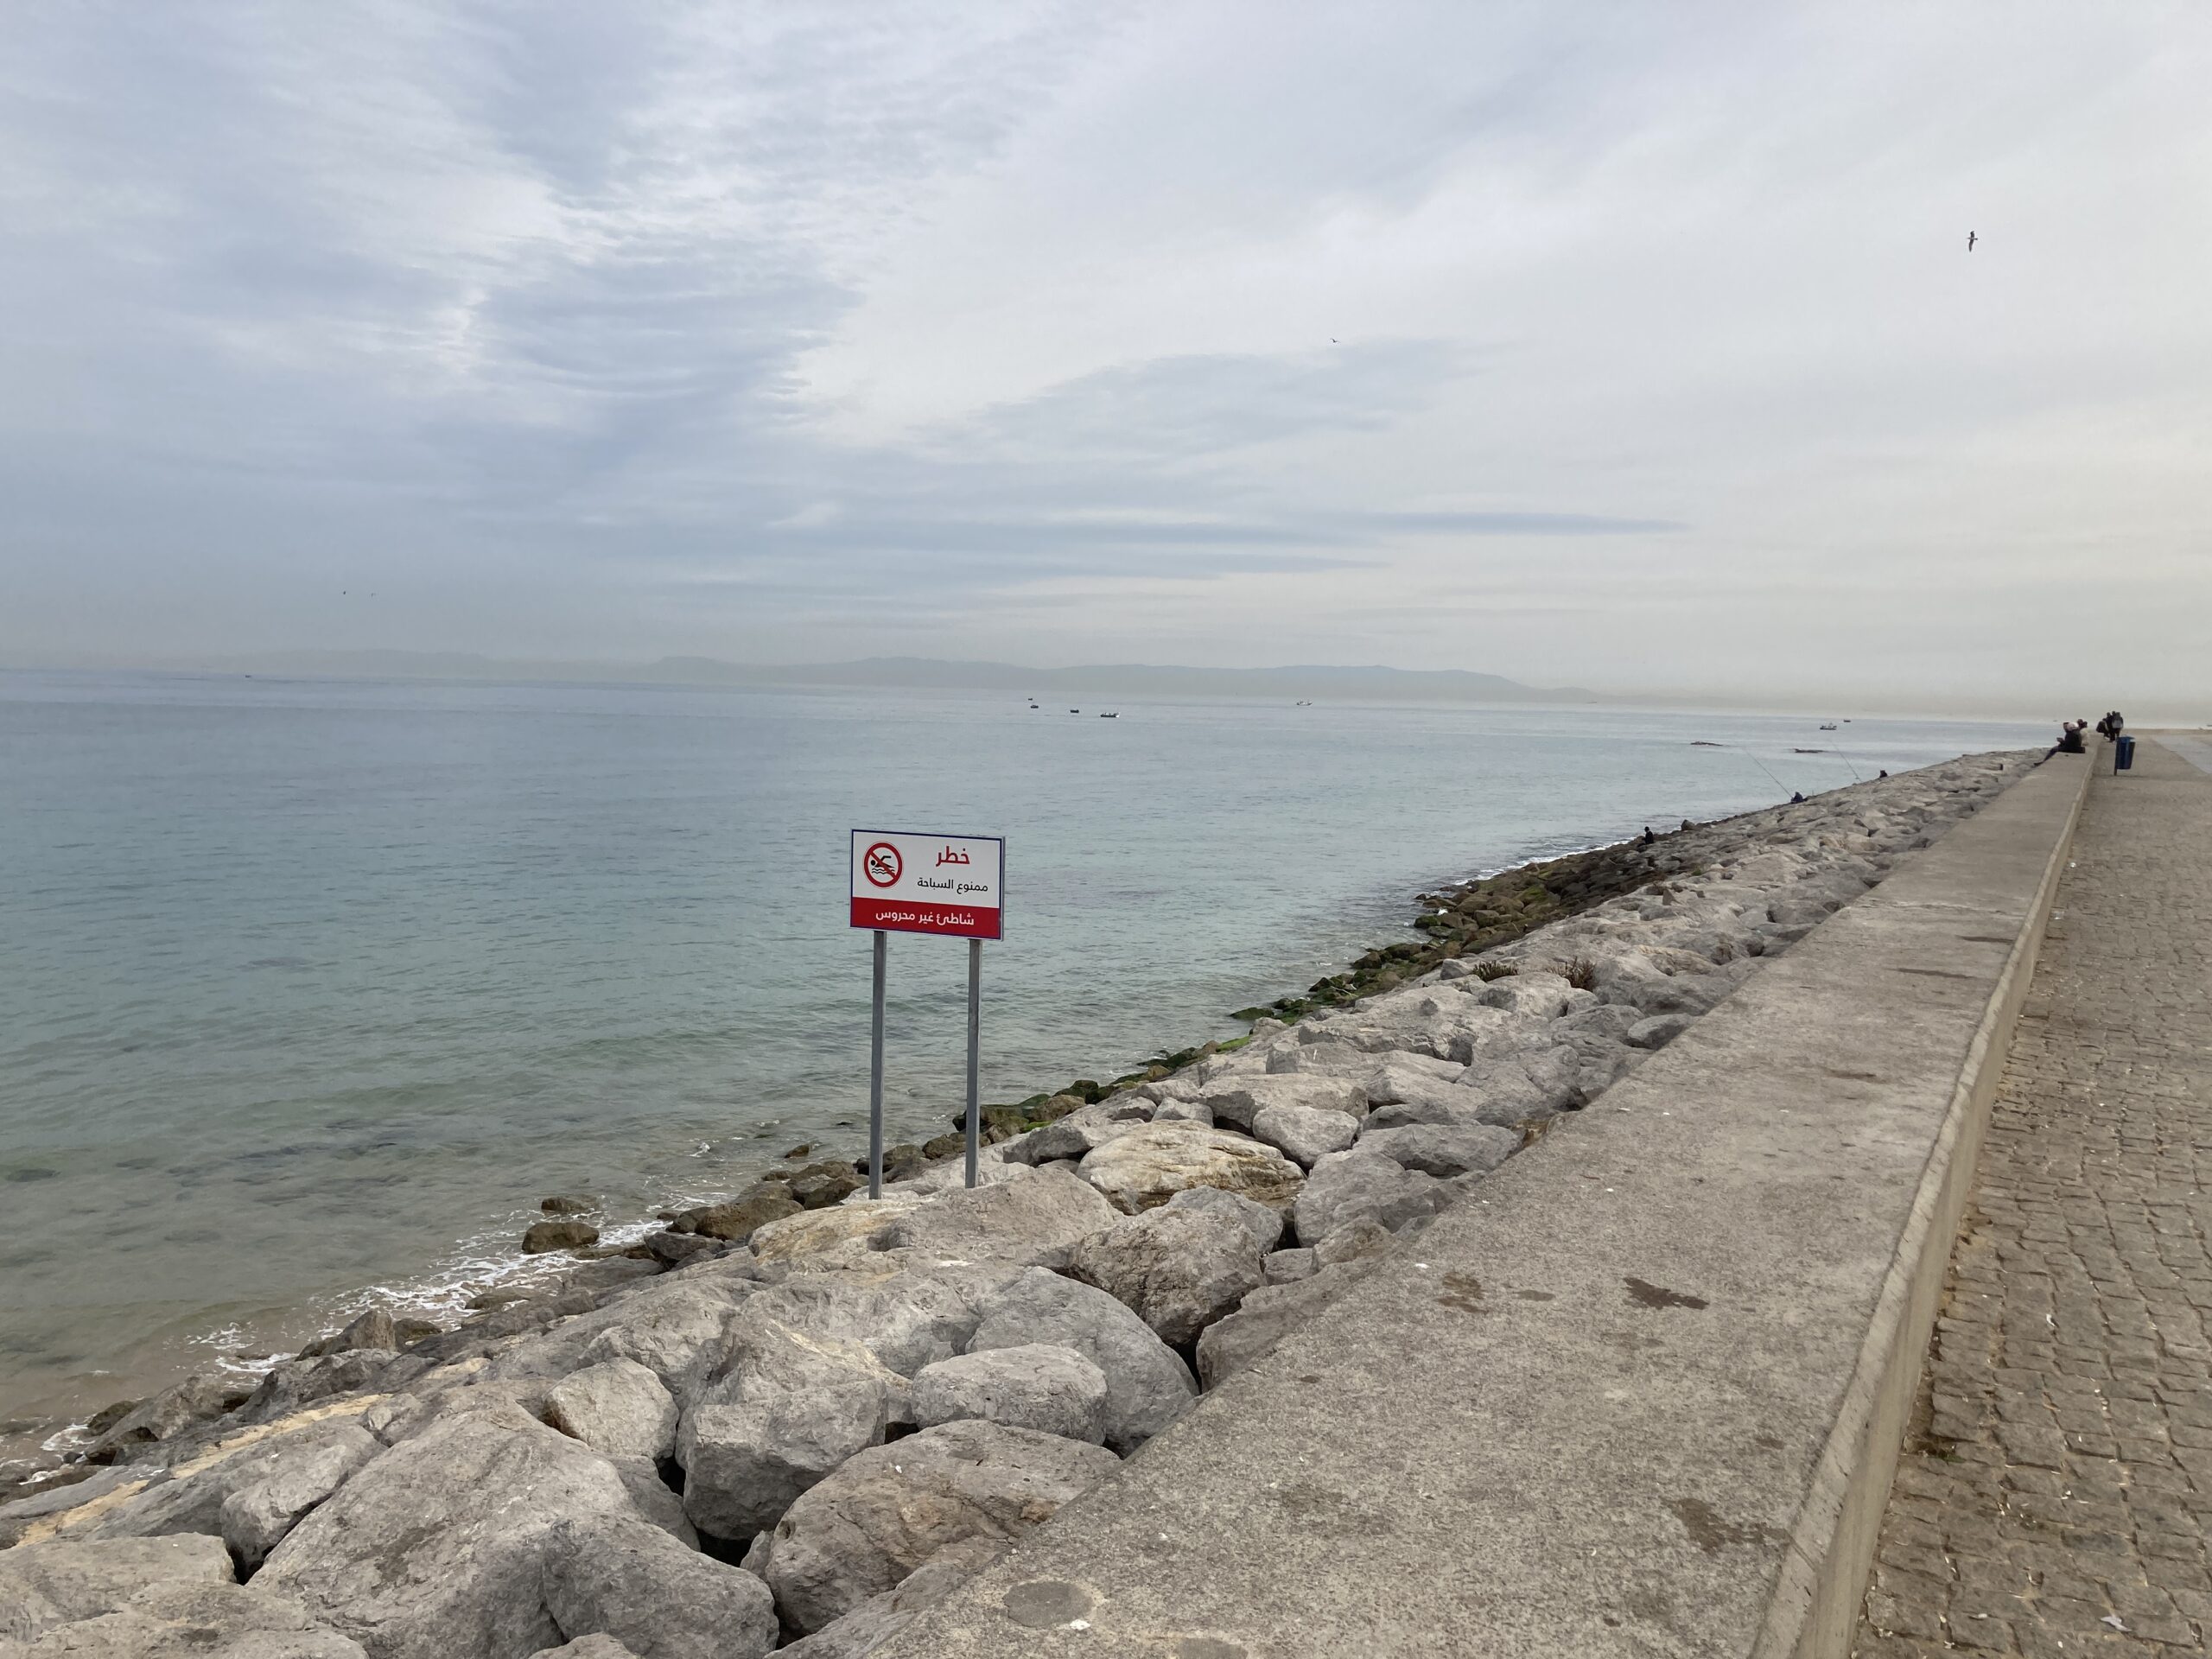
point(1644, 1394)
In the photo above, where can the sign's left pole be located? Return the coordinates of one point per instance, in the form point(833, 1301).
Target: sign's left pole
point(875, 1081)
point(974, 1049)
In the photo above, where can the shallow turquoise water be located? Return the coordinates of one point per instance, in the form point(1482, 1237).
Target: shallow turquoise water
point(310, 985)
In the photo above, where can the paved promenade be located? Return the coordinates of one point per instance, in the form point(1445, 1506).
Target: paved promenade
point(2055, 1494)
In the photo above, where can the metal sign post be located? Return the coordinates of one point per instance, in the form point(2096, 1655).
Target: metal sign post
point(875, 1077)
point(975, 1048)
point(951, 886)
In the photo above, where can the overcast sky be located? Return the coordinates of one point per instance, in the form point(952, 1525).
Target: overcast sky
point(1635, 346)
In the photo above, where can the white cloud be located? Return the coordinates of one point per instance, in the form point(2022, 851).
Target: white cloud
point(1632, 347)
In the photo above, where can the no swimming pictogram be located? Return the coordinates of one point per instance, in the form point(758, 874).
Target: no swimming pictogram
point(881, 864)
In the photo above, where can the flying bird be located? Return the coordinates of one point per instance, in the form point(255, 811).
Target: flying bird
point(1971, 240)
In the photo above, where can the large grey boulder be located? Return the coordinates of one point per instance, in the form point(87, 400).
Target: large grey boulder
point(653, 1499)
point(1555, 1072)
point(1302, 1133)
point(892, 1507)
point(994, 1163)
point(1351, 1241)
point(839, 1235)
point(1361, 1185)
point(618, 1407)
point(1262, 1222)
point(435, 1548)
point(61, 1581)
point(497, 1331)
point(1605, 1023)
point(1329, 1059)
point(872, 1624)
point(21, 1516)
point(172, 1617)
point(1147, 1385)
point(1081, 1130)
point(296, 1464)
point(1444, 1149)
point(656, 1597)
point(1040, 1386)
point(1013, 1222)
point(675, 1331)
point(1173, 1110)
point(1408, 1077)
point(1537, 995)
point(374, 1328)
point(1237, 1102)
point(1658, 1031)
point(1486, 1033)
point(298, 1384)
point(261, 1509)
point(1537, 1082)
point(791, 1406)
point(196, 1400)
point(1633, 976)
point(1145, 1168)
point(906, 1318)
point(1178, 1270)
point(733, 1222)
point(587, 1647)
point(1269, 1315)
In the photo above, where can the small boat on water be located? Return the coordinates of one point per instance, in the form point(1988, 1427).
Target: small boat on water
point(1829, 727)
point(1114, 715)
point(1705, 743)
point(1809, 751)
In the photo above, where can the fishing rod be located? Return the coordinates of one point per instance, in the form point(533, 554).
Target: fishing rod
point(1762, 766)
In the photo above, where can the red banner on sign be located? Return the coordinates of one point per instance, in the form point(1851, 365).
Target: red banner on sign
point(904, 915)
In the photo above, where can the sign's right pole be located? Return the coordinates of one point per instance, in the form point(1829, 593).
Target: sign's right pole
point(875, 1081)
point(974, 1049)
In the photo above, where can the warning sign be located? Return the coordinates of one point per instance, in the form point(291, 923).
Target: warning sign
point(906, 882)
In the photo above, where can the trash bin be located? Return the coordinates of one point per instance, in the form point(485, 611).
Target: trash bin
point(2123, 757)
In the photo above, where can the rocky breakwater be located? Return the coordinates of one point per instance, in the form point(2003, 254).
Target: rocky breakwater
point(795, 1427)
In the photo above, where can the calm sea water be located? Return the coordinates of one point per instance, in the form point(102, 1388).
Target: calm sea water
point(310, 987)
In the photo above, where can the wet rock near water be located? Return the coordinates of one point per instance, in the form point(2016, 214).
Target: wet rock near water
point(733, 1222)
point(547, 1236)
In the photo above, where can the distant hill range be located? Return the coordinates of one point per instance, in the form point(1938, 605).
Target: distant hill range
point(921, 673)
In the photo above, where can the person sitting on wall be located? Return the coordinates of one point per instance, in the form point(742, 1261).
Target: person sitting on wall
point(2070, 740)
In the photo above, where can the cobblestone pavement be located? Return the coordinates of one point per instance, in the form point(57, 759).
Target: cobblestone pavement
point(2056, 1493)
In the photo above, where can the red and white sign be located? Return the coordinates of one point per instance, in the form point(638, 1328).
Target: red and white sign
point(948, 885)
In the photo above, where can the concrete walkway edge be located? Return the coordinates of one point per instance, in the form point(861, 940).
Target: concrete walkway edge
point(1815, 1612)
point(1639, 1396)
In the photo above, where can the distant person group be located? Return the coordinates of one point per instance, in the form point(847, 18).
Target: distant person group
point(2072, 735)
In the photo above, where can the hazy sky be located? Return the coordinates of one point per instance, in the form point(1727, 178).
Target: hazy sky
point(1624, 345)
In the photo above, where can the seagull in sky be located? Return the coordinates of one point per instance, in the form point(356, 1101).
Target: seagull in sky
point(1971, 240)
